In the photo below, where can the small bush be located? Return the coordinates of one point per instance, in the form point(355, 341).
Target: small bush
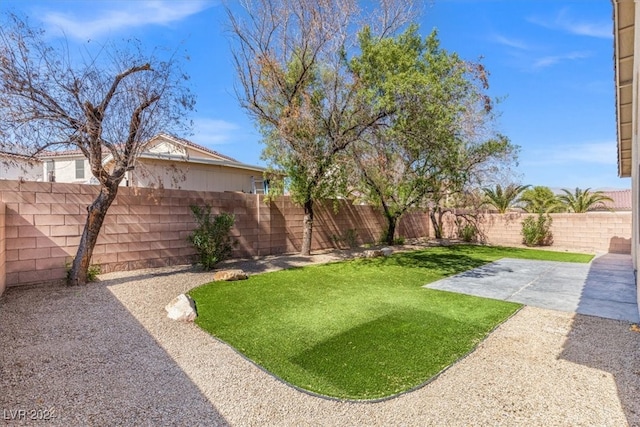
point(211, 237)
point(349, 238)
point(92, 272)
point(383, 239)
point(537, 231)
point(468, 233)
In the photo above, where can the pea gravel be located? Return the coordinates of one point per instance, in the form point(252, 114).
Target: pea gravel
point(106, 354)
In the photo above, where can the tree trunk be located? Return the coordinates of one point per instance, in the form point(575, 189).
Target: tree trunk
point(437, 224)
point(95, 217)
point(391, 228)
point(307, 224)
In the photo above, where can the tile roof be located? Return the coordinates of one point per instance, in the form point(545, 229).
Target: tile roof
point(17, 155)
point(621, 200)
point(60, 153)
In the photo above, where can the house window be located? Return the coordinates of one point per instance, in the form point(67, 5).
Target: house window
point(80, 169)
point(51, 171)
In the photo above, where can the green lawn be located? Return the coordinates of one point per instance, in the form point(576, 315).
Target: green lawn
point(360, 329)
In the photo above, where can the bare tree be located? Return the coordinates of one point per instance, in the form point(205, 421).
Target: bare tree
point(106, 104)
point(292, 59)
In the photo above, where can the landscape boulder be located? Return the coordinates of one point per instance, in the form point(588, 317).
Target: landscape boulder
point(229, 275)
point(182, 308)
point(373, 253)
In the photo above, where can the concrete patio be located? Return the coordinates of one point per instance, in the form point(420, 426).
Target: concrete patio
point(604, 288)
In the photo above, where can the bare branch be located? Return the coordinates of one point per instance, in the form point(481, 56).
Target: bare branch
point(115, 101)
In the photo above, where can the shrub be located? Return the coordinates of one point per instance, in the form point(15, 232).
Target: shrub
point(537, 231)
point(211, 237)
point(349, 238)
point(92, 272)
point(383, 239)
point(468, 232)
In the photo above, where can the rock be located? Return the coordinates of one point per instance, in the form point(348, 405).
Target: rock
point(373, 253)
point(229, 275)
point(182, 308)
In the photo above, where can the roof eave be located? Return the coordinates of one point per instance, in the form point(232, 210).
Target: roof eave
point(205, 161)
point(624, 40)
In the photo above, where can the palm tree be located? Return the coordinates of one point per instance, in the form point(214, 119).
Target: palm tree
point(503, 199)
point(541, 199)
point(581, 201)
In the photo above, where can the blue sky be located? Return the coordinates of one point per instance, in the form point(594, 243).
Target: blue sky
point(551, 63)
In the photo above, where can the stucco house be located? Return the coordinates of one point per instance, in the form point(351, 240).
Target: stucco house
point(627, 66)
point(165, 161)
point(18, 167)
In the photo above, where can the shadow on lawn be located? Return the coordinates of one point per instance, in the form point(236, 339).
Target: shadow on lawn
point(453, 262)
point(368, 360)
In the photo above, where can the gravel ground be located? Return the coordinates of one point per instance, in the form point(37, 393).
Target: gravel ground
point(106, 354)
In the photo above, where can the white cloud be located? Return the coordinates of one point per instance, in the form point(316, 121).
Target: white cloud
point(99, 18)
point(510, 42)
point(527, 57)
point(563, 22)
point(548, 61)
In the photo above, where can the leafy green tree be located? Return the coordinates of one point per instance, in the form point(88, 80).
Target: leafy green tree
point(292, 59)
point(581, 201)
point(435, 107)
point(505, 198)
point(464, 206)
point(540, 199)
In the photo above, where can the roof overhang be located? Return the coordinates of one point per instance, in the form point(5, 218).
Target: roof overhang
point(624, 36)
point(203, 161)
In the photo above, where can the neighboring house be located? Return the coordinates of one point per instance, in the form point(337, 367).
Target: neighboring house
point(165, 161)
point(627, 67)
point(20, 168)
point(621, 200)
point(65, 166)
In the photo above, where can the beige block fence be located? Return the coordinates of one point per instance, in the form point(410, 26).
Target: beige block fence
point(3, 275)
point(41, 224)
point(594, 232)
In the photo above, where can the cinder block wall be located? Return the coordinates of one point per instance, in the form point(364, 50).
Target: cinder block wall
point(149, 228)
point(3, 277)
point(590, 232)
